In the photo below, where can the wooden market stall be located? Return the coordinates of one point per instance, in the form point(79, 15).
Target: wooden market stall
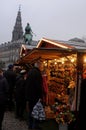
point(63, 64)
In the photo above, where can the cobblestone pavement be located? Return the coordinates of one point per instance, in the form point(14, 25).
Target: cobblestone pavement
point(11, 123)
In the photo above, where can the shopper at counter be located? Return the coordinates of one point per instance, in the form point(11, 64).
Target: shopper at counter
point(33, 94)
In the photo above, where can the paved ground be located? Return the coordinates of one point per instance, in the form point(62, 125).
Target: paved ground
point(10, 123)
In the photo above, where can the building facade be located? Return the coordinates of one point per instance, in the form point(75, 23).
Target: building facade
point(10, 51)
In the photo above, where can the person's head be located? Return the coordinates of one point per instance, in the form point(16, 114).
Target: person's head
point(35, 75)
point(10, 66)
point(23, 73)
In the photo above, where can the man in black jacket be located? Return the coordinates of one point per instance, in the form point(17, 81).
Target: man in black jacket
point(3, 96)
point(20, 101)
point(11, 78)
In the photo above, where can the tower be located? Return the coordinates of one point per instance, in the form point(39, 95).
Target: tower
point(18, 30)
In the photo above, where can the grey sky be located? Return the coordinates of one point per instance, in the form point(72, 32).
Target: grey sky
point(54, 19)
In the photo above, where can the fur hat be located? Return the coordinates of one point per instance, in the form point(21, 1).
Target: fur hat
point(22, 71)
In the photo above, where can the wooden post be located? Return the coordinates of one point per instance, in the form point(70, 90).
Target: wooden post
point(79, 77)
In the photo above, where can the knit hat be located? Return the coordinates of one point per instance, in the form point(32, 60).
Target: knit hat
point(10, 66)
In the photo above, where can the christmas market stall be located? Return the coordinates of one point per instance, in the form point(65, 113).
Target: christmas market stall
point(63, 64)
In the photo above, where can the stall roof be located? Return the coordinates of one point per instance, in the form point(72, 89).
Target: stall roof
point(56, 44)
point(25, 49)
point(44, 51)
point(64, 44)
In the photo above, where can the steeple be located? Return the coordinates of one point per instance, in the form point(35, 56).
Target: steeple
point(18, 30)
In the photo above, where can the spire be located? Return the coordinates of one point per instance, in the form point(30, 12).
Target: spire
point(18, 30)
point(19, 7)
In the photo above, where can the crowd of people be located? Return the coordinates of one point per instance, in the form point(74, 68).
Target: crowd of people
point(21, 89)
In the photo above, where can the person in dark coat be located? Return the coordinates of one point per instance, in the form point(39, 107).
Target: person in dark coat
point(33, 93)
point(82, 106)
point(20, 94)
point(11, 78)
point(3, 96)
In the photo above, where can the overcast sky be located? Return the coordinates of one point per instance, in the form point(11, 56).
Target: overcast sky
point(54, 19)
